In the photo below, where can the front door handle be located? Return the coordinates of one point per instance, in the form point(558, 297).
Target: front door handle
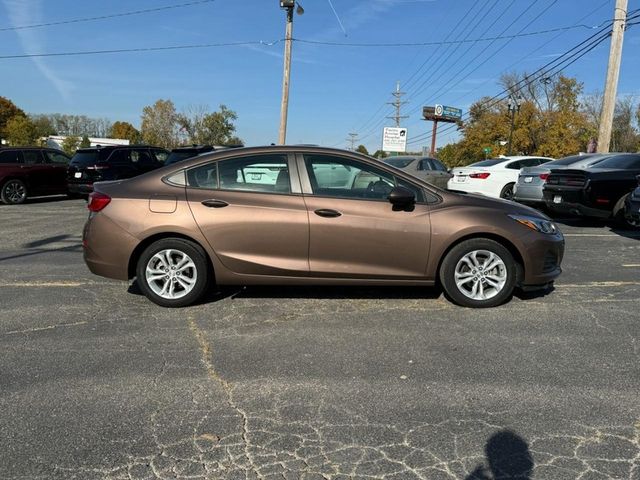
point(212, 203)
point(326, 212)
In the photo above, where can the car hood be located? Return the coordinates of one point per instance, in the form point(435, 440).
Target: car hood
point(480, 201)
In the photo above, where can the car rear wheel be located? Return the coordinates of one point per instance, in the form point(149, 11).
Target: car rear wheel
point(507, 191)
point(13, 192)
point(173, 272)
point(479, 273)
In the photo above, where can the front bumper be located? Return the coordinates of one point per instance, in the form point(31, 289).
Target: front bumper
point(544, 254)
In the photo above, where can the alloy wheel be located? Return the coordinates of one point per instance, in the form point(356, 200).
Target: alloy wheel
point(171, 274)
point(14, 192)
point(480, 275)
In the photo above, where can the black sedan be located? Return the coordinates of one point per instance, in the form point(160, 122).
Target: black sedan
point(599, 191)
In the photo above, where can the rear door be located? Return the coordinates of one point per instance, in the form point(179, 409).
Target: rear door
point(354, 231)
point(57, 163)
point(252, 213)
point(38, 173)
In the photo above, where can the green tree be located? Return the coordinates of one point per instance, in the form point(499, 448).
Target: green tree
point(43, 124)
point(209, 128)
point(380, 154)
point(126, 131)
point(8, 110)
point(362, 149)
point(20, 131)
point(70, 145)
point(160, 124)
point(85, 143)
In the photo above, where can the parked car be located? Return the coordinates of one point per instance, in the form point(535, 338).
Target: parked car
point(495, 177)
point(97, 164)
point(180, 228)
point(183, 153)
point(31, 172)
point(632, 207)
point(531, 180)
point(427, 168)
point(597, 191)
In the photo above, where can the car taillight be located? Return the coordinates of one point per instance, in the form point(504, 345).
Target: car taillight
point(97, 201)
point(544, 176)
point(482, 176)
point(99, 166)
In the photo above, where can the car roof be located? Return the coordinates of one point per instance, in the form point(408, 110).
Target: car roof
point(114, 147)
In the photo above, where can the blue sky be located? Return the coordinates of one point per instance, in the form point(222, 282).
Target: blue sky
point(335, 89)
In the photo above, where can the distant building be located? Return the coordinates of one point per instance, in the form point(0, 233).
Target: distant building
point(55, 141)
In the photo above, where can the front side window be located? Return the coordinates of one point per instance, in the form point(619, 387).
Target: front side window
point(438, 165)
point(346, 178)
point(160, 155)
point(622, 162)
point(141, 157)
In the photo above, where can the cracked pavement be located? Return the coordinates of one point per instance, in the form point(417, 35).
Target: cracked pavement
point(311, 383)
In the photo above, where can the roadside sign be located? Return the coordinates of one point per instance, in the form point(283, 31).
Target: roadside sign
point(487, 150)
point(442, 113)
point(394, 139)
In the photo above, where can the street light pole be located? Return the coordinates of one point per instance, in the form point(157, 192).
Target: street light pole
point(513, 106)
point(288, 6)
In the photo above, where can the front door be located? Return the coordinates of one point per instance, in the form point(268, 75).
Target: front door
point(252, 214)
point(354, 230)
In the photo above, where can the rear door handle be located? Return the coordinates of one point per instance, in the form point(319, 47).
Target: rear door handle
point(326, 212)
point(212, 203)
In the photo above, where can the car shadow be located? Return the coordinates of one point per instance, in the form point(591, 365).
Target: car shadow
point(507, 458)
point(605, 225)
point(312, 292)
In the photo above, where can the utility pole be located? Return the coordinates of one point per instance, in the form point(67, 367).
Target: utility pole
point(513, 106)
point(288, 5)
point(613, 73)
point(353, 138)
point(398, 103)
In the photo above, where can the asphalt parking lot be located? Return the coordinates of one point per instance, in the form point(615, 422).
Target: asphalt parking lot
point(284, 383)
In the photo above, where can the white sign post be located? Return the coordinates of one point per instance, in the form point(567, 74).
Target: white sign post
point(394, 139)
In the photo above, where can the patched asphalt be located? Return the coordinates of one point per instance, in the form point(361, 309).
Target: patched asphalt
point(287, 383)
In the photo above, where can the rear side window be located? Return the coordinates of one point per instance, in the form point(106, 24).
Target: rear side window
point(141, 157)
point(160, 155)
point(10, 157)
point(32, 156)
point(262, 173)
point(514, 165)
point(204, 176)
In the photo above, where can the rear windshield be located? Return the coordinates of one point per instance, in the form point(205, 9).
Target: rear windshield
point(620, 161)
point(85, 158)
point(398, 162)
point(175, 157)
point(488, 163)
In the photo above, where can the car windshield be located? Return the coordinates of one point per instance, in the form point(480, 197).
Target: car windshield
point(488, 163)
point(89, 157)
point(175, 157)
point(399, 162)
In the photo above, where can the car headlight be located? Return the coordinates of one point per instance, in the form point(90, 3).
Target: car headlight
point(535, 223)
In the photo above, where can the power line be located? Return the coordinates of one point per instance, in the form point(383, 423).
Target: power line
point(141, 49)
point(397, 105)
point(105, 17)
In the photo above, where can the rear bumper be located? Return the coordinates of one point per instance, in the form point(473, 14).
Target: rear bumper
point(576, 209)
point(107, 248)
point(528, 194)
point(80, 188)
point(473, 186)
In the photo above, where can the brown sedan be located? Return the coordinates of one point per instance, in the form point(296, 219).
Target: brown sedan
point(311, 216)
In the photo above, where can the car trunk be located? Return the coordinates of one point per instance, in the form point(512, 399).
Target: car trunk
point(85, 168)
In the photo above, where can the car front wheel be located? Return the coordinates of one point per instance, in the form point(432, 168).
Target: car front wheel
point(173, 272)
point(479, 273)
point(13, 192)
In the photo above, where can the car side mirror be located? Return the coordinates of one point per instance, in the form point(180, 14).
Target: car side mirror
point(402, 197)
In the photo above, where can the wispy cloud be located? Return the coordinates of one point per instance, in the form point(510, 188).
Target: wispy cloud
point(27, 12)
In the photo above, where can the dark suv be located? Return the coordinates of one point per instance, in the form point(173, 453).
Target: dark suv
point(30, 172)
point(183, 153)
point(97, 164)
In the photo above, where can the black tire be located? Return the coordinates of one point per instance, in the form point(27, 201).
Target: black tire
point(507, 191)
point(180, 246)
point(624, 217)
point(455, 255)
point(13, 192)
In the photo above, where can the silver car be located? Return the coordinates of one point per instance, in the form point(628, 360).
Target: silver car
point(531, 180)
point(426, 168)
